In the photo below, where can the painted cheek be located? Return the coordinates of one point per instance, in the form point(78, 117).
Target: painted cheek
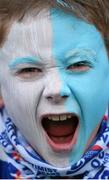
point(84, 90)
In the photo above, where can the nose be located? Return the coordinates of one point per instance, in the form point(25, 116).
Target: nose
point(56, 90)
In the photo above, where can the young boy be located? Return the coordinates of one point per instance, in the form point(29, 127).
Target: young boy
point(54, 79)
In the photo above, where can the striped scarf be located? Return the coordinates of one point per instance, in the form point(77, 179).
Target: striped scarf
point(24, 162)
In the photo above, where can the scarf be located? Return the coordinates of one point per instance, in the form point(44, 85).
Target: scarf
point(24, 162)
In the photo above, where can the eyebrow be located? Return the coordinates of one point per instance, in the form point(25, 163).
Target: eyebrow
point(23, 60)
point(84, 53)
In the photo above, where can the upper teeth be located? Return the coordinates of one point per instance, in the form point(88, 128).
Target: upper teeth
point(59, 117)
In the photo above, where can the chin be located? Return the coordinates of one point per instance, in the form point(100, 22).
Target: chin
point(63, 158)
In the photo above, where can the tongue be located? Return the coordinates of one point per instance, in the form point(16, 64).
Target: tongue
point(60, 128)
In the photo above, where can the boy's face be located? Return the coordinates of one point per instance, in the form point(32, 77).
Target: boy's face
point(54, 77)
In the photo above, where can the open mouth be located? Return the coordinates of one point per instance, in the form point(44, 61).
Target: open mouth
point(61, 130)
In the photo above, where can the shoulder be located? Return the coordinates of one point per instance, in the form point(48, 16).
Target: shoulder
point(4, 165)
point(4, 171)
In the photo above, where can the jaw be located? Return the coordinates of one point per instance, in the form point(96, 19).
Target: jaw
point(56, 151)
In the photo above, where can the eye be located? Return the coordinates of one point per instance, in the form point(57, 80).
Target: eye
point(28, 72)
point(80, 66)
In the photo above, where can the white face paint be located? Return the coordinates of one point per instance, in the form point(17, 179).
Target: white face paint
point(32, 87)
point(27, 99)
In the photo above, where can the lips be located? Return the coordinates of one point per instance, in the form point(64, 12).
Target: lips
point(61, 131)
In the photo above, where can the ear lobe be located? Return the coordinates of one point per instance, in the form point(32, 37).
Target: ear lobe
point(1, 99)
point(1, 102)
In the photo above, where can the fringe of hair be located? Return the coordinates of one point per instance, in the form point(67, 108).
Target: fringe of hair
point(92, 11)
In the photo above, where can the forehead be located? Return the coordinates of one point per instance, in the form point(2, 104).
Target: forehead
point(51, 33)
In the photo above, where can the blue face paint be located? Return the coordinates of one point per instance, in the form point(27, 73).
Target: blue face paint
point(77, 55)
point(23, 60)
point(75, 41)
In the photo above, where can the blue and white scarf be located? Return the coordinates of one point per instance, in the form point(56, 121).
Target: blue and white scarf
point(24, 162)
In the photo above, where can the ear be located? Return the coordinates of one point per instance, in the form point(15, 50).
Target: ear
point(1, 99)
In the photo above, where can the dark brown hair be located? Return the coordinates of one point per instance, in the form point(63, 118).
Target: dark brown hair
point(92, 11)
